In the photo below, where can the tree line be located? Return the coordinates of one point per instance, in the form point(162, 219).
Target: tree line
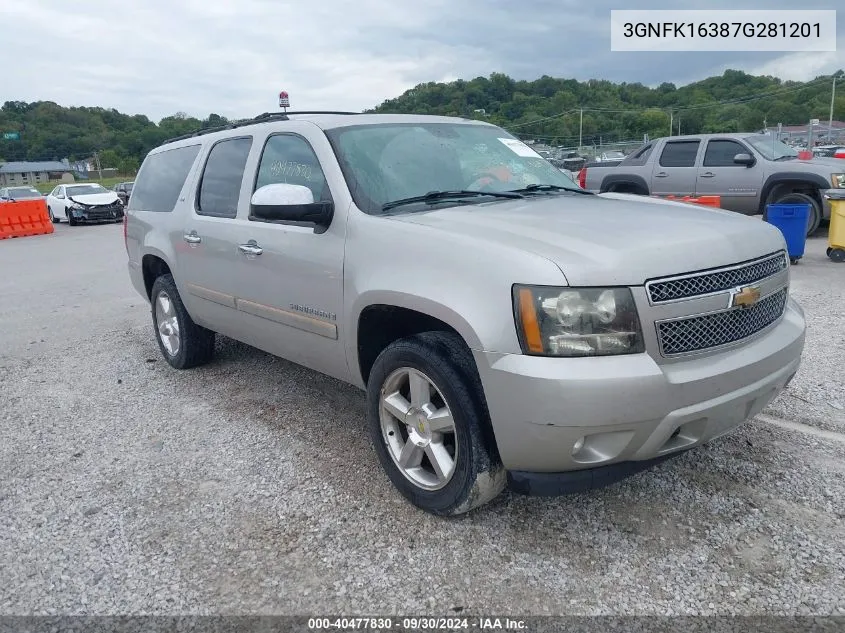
point(48, 131)
point(558, 110)
point(564, 110)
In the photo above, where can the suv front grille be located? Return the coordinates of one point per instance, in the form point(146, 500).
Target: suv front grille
point(698, 284)
point(690, 334)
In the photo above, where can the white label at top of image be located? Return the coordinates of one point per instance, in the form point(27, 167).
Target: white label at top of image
point(723, 30)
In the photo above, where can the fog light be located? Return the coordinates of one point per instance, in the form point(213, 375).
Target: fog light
point(578, 446)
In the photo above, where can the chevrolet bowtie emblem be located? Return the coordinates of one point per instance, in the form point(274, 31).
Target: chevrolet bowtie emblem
point(745, 297)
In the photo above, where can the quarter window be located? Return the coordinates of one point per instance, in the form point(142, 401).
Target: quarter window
point(679, 154)
point(161, 179)
point(220, 187)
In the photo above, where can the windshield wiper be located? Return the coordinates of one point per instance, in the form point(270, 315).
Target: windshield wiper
point(785, 158)
point(540, 187)
point(436, 196)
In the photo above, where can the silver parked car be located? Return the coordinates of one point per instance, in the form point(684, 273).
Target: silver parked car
point(508, 326)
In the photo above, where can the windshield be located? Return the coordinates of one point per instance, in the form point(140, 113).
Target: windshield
point(24, 192)
point(127, 186)
point(85, 190)
point(394, 161)
point(770, 147)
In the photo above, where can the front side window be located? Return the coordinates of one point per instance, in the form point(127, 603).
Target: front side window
point(721, 153)
point(679, 154)
point(288, 158)
point(220, 187)
point(384, 163)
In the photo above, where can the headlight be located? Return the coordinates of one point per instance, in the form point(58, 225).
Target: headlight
point(838, 181)
point(577, 321)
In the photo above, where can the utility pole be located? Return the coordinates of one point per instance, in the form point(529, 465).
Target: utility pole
point(581, 131)
point(679, 124)
point(671, 124)
point(99, 167)
point(830, 122)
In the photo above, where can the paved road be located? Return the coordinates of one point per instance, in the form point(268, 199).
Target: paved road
point(249, 485)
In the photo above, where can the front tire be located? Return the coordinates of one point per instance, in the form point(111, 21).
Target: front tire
point(183, 343)
point(430, 427)
point(70, 219)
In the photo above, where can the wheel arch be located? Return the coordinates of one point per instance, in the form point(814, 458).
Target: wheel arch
point(153, 265)
point(621, 182)
point(792, 182)
point(383, 317)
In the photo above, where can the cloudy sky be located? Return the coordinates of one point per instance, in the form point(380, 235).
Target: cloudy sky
point(232, 57)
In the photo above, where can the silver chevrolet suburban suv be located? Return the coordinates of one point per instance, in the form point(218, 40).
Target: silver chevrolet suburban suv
point(509, 327)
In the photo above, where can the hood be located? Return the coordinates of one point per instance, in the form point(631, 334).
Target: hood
point(94, 198)
point(822, 165)
point(619, 240)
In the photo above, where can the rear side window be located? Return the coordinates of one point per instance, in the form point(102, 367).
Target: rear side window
point(679, 154)
point(220, 186)
point(161, 178)
point(640, 156)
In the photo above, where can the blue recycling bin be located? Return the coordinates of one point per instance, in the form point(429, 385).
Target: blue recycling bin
point(792, 220)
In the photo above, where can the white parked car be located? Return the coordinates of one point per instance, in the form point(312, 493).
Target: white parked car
point(84, 203)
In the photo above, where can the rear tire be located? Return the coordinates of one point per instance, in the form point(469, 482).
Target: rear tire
point(452, 464)
point(183, 343)
point(53, 218)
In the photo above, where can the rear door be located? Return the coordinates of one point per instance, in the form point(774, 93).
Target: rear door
point(738, 185)
point(674, 171)
point(208, 254)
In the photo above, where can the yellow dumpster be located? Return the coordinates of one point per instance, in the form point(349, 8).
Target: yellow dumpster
point(836, 235)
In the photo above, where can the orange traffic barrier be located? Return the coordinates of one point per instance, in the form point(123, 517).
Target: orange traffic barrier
point(707, 201)
point(24, 218)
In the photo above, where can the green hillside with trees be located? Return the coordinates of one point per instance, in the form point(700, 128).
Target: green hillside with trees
point(51, 132)
point(545, 108)
point(551, 108)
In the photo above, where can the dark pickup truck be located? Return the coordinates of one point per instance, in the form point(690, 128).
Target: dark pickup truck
point(748, 172)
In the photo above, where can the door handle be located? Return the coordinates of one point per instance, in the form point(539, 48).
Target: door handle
point(661, 174)
point(708, 174)
point(192, 238)
point(250, 248)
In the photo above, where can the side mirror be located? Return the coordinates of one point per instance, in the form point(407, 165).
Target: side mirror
point(744, 159)
point(290, 204)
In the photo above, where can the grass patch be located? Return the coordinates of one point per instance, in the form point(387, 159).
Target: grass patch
point(108, 183)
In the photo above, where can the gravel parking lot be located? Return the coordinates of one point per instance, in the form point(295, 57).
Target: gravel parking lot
point(250, 486)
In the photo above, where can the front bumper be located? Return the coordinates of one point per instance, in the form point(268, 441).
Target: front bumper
point(111, 214)
point(556, 415)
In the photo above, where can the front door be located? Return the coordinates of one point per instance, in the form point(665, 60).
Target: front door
point(289, 278)
point(674, 170)
point(208, 242)
point(737, 185)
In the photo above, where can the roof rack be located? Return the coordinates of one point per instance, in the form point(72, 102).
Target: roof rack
point(261, 118)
